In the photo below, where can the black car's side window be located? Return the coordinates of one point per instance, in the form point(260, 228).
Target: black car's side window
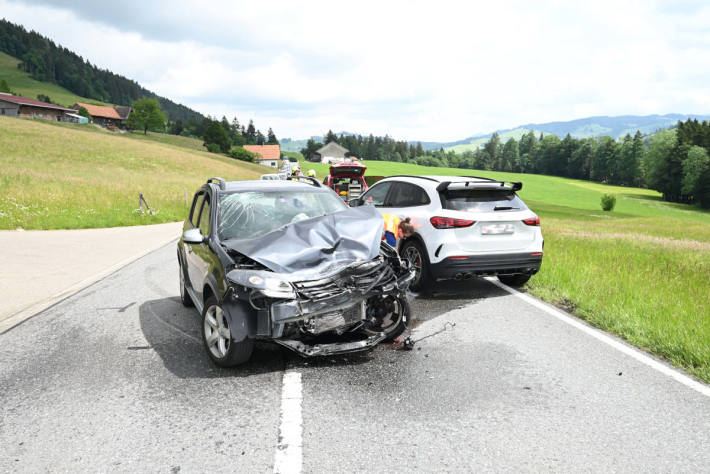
point(196, 206)
point(204, 222)
point(377, 194)
point(407, 195)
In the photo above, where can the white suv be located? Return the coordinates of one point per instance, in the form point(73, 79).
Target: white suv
point(465, 226)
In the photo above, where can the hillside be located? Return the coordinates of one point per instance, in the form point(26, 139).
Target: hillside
point(22, 84)
point(69, 176)
point(48, 62)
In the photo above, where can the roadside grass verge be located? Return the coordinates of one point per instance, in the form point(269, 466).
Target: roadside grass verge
point(655, 296)
point(641, 272)
point(60, 177)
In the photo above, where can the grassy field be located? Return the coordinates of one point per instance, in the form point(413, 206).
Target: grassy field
point(167, 139)
point(21, 83)
point(640, 271)
point(64, 177)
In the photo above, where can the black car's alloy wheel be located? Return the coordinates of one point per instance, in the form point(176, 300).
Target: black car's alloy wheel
point(389, 315)
point(217, 337)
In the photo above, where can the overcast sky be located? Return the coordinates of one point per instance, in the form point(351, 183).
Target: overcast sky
point(429, 70)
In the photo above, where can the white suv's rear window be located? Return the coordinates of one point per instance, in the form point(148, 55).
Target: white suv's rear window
point(481, 200)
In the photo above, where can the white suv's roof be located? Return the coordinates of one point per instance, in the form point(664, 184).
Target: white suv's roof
point(433, 181)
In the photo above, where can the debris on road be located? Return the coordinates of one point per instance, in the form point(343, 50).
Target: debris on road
point(409, 343)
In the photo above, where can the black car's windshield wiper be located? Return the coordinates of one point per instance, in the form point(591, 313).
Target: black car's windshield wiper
point(504, 208)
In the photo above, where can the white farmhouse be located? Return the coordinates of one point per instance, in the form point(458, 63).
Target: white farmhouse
point(332, 153)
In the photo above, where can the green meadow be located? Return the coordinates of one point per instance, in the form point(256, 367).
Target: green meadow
point(77, 176)
point(640, 271)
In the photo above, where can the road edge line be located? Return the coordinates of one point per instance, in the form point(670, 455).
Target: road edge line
point(602, 336)
point(36, 308)
point(289, 450)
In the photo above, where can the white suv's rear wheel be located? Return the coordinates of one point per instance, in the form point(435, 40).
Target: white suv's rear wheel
point(514, 280)
point(413, 252)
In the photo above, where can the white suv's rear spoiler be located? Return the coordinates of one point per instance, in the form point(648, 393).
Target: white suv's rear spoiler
point(488, 184)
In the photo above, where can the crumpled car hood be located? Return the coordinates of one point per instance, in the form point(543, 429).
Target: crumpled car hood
point(317, 246)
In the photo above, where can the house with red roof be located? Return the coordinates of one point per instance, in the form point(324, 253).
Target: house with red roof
point(101, 115)
point(17, 106)
point(267, 155)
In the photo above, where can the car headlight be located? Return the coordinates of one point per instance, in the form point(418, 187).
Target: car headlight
point(267, 283)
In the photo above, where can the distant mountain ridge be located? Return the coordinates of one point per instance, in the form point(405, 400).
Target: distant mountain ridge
point(613, 126)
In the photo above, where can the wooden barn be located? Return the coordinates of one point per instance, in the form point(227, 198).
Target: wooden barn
point(17, 106)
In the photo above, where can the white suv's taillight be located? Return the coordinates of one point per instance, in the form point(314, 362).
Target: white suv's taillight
point(450, 222)
point(532, 221)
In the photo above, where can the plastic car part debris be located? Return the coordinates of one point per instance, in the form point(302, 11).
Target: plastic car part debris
point(409, 343)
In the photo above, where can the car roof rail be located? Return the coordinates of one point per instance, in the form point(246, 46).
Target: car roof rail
point(222, 183)
point(514, 185)
point(308, 179)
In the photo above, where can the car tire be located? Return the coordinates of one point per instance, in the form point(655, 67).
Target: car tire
point(217, 337)
point(185, 298)
point(400, 305)
point(514, 280)
point(414, 253)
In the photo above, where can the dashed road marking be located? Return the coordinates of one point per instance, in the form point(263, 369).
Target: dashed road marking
point(289, 450)
point(608, 340)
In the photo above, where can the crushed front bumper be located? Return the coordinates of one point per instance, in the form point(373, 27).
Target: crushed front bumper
point(344, 309)
point(345, 347)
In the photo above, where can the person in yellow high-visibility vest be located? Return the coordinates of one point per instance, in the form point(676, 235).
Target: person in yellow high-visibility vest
point(396, 228)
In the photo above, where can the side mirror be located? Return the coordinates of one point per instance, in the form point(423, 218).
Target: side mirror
point(355, 202)
point(192, 236)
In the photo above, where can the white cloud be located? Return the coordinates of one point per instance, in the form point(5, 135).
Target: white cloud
point(416, 70)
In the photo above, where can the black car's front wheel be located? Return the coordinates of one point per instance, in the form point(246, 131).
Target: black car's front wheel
point(217, 337)
point(389, 315)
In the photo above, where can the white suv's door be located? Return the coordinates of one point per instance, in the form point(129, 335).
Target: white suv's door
point(377, 194)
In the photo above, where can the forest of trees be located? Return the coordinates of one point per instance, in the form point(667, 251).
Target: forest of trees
point(48, 62)
point(674, 162)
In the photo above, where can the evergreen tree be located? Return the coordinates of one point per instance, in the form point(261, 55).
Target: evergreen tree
point(331, 137)
point(511, 155)
point(260, 138)
point(271, 137)
point(250, 134)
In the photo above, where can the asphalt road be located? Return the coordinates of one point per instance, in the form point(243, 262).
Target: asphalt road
point(115, 379)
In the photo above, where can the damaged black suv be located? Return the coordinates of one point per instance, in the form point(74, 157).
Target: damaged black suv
point(290, 262)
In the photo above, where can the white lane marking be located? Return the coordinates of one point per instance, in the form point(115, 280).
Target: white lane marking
point(289, 450)
point(606, 339)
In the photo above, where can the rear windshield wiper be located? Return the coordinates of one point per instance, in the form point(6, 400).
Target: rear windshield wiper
point(504, 208)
